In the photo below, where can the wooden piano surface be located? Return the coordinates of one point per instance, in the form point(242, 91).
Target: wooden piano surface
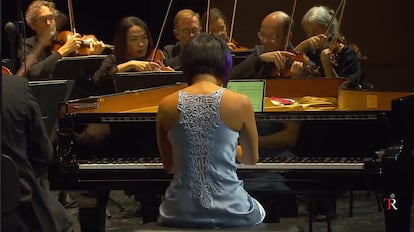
point(367, 99)
point(326, 92)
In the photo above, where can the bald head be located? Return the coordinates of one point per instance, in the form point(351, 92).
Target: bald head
point(278, 20)
point(274, 30)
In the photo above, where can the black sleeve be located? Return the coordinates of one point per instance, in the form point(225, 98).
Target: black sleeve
point(348, 64)
point(252, 68)
point(172, 56)
point(43, 70)
point(44, 63)
point(107, 69)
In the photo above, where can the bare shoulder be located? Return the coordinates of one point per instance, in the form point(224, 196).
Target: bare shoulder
point(168, 103)
point(238, 100)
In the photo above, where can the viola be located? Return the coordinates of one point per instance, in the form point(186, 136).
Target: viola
point(85, 48)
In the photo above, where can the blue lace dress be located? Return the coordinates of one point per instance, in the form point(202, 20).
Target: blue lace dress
point(205, 190)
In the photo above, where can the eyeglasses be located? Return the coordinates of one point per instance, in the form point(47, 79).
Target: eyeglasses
point(271, 37)
point(188, 31)
point(45, 19)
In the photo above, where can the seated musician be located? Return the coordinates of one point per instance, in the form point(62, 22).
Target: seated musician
point(198, 144)
point(269, 59)
point(336, 59)
point(315, 23)
point(275, 139)
point(26, 141)
point(186, 26)
point(134, 50)
point(218, 25)
point(37, 56)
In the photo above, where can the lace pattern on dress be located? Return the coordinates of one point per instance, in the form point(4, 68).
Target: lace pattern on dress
point(200, 116)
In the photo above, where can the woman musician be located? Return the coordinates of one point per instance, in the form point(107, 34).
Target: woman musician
point(133, 50)
point(325, 45)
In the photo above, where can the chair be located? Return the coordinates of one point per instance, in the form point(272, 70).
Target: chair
point(10, 193)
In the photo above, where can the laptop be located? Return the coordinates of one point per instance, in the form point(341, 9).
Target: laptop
point(254, 89)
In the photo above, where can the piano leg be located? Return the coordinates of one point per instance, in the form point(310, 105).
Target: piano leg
point(93, 218)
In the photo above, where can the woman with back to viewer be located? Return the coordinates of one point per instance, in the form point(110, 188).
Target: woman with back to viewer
point(198, 129)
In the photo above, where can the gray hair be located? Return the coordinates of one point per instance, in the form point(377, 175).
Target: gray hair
point(322, 15)
point(33, 10)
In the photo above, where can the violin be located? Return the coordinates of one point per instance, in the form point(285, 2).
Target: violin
point(158, 57)
point(5, 70)
point(336, 46)
point(237, 46)
point(287, 72)
point(85, 48)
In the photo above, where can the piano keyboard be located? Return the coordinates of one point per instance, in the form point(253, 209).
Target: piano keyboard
point(268, 163)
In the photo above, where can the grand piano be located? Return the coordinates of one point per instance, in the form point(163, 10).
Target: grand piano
point(108, 142)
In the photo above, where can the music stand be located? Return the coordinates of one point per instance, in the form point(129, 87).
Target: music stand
point(80, 69)
point(77, 67)
point(239, 55)
point(141, 80)
point(49, 94)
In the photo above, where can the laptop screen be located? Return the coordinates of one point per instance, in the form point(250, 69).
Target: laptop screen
point(254, 89)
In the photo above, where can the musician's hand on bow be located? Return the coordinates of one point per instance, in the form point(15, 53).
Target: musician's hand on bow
point(145, 65)
point(277, 57)
point(297, 69)
point(327, 64)
point(165, 69)
point(96, 47)
point(72, 44)
point(316, 43)
point(232, 46)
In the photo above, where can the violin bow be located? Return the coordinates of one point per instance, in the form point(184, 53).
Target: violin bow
point(290, 24)
point(71, 17)
point(208, 15)
point(232, 20)
point(162, 29)
point(342, 12)
point(341, 4)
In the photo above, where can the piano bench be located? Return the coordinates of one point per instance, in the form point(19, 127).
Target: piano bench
point(274, 227)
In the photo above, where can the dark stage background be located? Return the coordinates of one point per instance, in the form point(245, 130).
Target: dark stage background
point(380, 27)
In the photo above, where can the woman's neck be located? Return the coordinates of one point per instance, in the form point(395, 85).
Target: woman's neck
point(202, 78)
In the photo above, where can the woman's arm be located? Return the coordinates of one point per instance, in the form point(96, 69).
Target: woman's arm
point(248, 133)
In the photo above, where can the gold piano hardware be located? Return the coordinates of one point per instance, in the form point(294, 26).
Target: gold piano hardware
point(315, 94)
point(82, 106)
point(306, 103)
point(360, 100)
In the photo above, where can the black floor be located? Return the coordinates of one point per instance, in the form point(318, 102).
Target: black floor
point(366, 218)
